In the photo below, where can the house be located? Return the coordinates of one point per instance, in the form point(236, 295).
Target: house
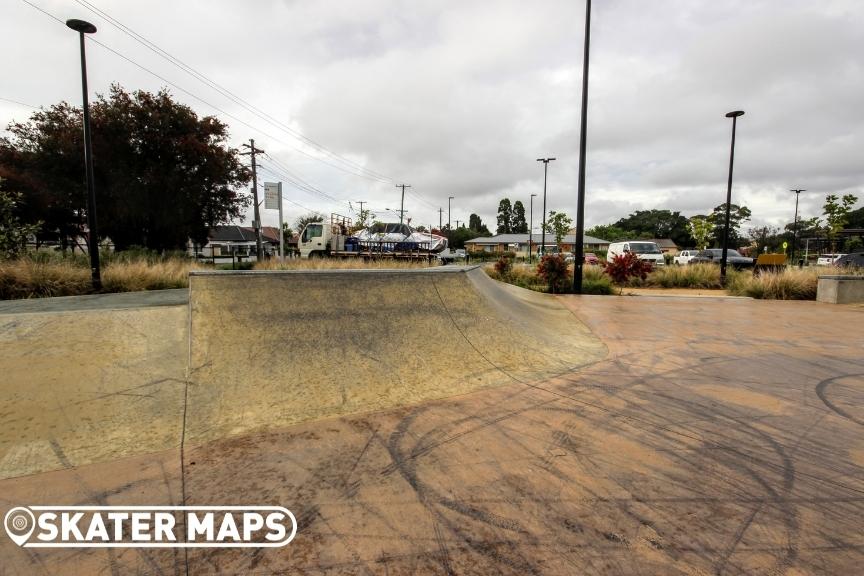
point(519, 243)
point(667, 246)
point(239, 242)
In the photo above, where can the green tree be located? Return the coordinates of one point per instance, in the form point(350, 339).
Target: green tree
point(763, 237)
point(737, 216)
point(558, 224)
point(505, 216)
point(608, 232)
point(476, 224)
point(657, 224)
point(702, 230)
point(518, 224)
point(836, 211)
point(13, 233)
point(302, 221)
point(162, 174)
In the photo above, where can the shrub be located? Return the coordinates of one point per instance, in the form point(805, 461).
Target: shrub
point(789, 284)
point(625, 266)
point(596, 281)
point(690, 276)
point(504, 265)
point(553, 270)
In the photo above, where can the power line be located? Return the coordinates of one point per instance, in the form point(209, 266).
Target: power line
point(227, 93)
point(19, 103)
point(211, 105)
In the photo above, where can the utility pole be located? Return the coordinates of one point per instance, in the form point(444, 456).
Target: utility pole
point(457, 223)
point(257, 223)
point(734, 115)
point(795, 225)
point(402, 206)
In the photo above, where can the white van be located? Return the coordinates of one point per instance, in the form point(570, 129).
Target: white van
point(644, 250)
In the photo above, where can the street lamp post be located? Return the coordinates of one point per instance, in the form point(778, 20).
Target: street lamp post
point(579, 246)
point(531, 231)
point(734, 115)
point(795, 225)
point(543, 231)
point(82, 28)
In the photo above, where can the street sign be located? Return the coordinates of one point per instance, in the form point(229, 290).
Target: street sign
point(785, 245)
point(271, 195)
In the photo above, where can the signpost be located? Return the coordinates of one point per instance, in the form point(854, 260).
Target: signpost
point(273, 201)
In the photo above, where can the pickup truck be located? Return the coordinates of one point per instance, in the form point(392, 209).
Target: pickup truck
point(683, 258)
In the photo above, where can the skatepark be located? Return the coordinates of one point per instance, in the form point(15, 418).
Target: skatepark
point(439, 422)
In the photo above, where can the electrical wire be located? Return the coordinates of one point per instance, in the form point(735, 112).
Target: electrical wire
point(366, 172)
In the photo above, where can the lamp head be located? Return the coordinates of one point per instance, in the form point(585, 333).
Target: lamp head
point(735, 114)
point(81, 26)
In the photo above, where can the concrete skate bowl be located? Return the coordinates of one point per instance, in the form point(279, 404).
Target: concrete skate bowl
point(272, 349)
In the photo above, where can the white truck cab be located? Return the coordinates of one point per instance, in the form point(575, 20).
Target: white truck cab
point(644, 250)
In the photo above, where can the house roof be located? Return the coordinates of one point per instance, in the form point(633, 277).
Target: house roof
point(535, 238)
point(234, 233)
point(664, 242)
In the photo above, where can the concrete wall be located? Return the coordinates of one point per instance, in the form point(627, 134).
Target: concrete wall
point(840, 289)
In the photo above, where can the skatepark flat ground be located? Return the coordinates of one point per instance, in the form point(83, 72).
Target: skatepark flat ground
point(703, 436)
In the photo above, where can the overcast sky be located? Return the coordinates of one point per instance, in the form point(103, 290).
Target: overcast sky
point(460, 98)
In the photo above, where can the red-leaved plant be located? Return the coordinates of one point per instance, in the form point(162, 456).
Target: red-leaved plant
point(553, 269)
point(625, 266)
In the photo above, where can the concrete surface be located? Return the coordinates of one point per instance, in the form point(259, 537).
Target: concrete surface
point(715, 437)
point(840, 289)
point(270, 349)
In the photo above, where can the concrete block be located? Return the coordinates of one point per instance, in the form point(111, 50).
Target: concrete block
point(842, 289)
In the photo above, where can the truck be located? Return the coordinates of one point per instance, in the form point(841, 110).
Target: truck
point(390, 240)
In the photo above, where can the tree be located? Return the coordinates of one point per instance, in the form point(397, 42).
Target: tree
point(763, 237)
point(657, 224)
point(162, 174)
point(13, 232)
point(702, 230)
point(608, 232)
point(476, 224)
point(302, 221)
point(505, 216)
point(364, 217)
point(737, 216)
point(837, 214)
point(558, 224)
point(518, 224)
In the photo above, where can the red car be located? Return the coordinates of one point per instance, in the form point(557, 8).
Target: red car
point(591, 258)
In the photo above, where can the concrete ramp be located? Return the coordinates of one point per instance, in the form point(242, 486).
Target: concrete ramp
point(271, 349)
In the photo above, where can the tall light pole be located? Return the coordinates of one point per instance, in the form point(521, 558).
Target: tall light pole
point(82, 28)
point(543, 231)
point(795, 225)
point(531, 230)
point(579, 246)
point(734, 115)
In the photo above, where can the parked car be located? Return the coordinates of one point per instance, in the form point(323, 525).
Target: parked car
point(715, 255)
point(853, 260)
point(828, 259)
point(644, 250)
point(587, 258)
point(684, 257)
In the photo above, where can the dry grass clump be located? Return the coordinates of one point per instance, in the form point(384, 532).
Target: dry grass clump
point(690, 276)
point(25, 278)
point(44, 277)
point(790, 284)
point(137, 275)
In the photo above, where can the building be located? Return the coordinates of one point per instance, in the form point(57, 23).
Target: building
point(519, 243)
point(231, 241)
